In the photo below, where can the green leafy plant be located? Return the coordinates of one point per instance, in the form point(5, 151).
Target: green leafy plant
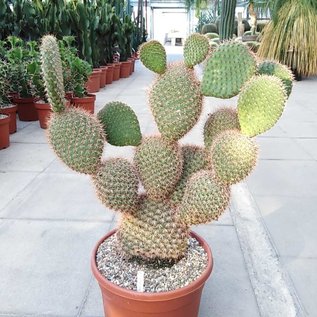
point(182, 184)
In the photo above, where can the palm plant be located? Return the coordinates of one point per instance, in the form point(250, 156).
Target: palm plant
point(291, 37)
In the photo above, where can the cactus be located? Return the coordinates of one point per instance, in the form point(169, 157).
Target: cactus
point(168, 187)
point(175, 101)
point(227, 70)
point(153, 56)
point(120, 124)
point(279, 70)
point(233, 156)
point(211, 35)
point(255, 116)
point(196, 48)
point(219, 121)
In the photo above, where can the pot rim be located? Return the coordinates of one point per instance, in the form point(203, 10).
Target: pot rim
point(4, 118)
point(161, 296)
point(10, 107)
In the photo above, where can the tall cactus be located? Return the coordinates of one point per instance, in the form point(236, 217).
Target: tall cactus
point(226, 28)
point(182, 185)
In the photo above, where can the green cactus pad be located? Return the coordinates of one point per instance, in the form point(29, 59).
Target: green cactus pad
point(233, 156)
point(117, 183)
point(194, 159)
point(196, 48)
point(159, 164)
point(261, 104)
point(153, 232)
point(227, 70)
point(153, 56)
point(279, 70)
point(120, 124)
point(204, 200)
point(77, 139)
point(176, 101)
point(212, 35)
point(53, 73)
point(219, 121)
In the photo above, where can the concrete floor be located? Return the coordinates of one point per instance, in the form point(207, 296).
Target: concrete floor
point(50, 218)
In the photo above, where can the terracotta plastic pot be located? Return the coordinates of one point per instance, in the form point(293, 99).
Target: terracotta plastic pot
point(116, 71)
point(4, 131)
point(87, 103)
point(12, 112)
point(44, 111)
point(120, 302)
point(132, 64)
point(109, 78)
point(125, 69)
point(93, 83)
point(26, 109)
point(103, 77)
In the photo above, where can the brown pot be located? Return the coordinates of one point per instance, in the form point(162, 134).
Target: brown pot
point(120, 302)
point(12, 112)
point(44, 112)
point(125, 69)
point(4, 131)
point(87, 103)
point(103, 77)
point(26, 109)
point(132, 64)
point(109, 78)
point(93, 83)
point(116, 71)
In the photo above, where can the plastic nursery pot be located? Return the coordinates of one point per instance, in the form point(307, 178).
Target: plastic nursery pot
point(103, 77)
point(116, 71)
point(44, 112)
point(183, 302)
point(4, 131)
point(12, 112)
point(26, 109)
point(132, 64)
point(109, 77)
point(87, 103)
point(93, 83)
point(125, 69)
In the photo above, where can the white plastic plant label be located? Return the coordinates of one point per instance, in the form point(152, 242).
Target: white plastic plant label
point(140, 282)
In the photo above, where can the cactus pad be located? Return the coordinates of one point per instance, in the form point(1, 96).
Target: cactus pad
point(120, 124)
point(261, 104)
point(204, 200)
point(176, 101)
point(196, 48)
point(77, 139)
point(153, 56)
point(233, 156)
point(159, 165)
point(227, 70)
point(279, 70)
point(117, 183)
point(153, 232)
point(219, 121)
point(194, 159)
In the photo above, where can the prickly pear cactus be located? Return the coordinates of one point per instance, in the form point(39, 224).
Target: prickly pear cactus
point(168, 187)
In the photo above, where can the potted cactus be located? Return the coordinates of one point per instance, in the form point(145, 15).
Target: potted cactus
point(183, 185)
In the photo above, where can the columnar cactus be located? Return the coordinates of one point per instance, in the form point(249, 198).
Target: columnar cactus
point(168, 187)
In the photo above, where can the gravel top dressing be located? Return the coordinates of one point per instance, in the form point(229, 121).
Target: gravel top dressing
point(157, 277)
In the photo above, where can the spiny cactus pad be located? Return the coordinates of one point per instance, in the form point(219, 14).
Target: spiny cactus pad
point(53, 73)
point(196, 48)
point(261, 104)
point(176, 101)
point(279, 70)
point(219, 121)
point(117, 183)
point(77, 139)
point(233, 156)
point(120, 124)
point(227, 70)
point(153, 232)
point(204, 200)
point(194, 159)
point(212, 35)
point(153, 56)
point(159, 164)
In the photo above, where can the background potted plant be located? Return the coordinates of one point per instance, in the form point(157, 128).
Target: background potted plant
point(183, 185)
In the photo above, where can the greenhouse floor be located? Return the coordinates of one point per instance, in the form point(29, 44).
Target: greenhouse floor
point(264, 247)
